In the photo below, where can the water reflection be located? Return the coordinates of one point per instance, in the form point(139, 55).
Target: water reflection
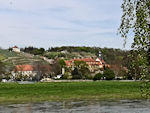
point(123, 106)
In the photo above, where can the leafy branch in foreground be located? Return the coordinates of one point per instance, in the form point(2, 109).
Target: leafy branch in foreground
point(136, 19)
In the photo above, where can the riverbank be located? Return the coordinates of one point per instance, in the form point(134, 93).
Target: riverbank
point(59, 91)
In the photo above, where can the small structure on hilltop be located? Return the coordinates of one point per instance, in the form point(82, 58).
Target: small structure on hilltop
point(16, 49)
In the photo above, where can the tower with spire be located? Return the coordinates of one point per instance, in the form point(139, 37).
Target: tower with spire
point(100, 55)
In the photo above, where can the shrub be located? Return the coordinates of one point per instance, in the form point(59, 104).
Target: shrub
point(89, 77)
point(7, 76)
point(66, 76)
point(76, 77)
point(76, 74)
point(98, 76)
point(109, 74)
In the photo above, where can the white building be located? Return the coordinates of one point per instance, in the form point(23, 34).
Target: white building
point(25, 70)
point(16, 49)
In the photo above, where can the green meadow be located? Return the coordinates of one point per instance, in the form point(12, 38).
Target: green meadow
point(99, 90)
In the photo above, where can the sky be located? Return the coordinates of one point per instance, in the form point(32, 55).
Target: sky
point(51, 23)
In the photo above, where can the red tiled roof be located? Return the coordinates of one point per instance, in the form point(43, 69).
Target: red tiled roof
point(85, 60)
point(89, 61)
point(24, 68)
point(99, 63)
point(45, 68)
point(68, 63)
point(15, 47)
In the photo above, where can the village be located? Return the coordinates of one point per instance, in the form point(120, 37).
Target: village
point(76, 68)
point(74, 56)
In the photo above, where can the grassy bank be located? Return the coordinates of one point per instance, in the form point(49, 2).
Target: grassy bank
point(13, 92)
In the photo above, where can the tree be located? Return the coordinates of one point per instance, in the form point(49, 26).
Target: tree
point(38, 69)
point(149, 55)
point(10, 49)
point(34, 50)
point(82, 68)
point(2, 70)
point(42, 70)
point(136, 19)
point(76, 74)
point(98, 76)
point(42, 50)
point(2, 67)
point(62, 63)
point(56, 68)
point(109, 74)
point(133, 66)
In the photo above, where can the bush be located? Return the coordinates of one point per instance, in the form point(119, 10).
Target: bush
point(7, 76)
point(76, 74)
point(98, 76)
point(109, 74)
point(76, 77)
point(66, 76)
point(89, 77)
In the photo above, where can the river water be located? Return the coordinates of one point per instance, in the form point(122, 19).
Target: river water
point(122, 106)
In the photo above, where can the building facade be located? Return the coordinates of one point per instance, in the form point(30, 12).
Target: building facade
point(93, 64)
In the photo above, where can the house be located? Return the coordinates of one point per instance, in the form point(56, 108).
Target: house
point(32, 70)
point(16, 49)
point(25, 70)
point(94, 64)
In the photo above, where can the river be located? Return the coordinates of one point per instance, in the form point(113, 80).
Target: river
point(122, 106)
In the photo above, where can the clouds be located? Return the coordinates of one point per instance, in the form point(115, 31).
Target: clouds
point(60, 22)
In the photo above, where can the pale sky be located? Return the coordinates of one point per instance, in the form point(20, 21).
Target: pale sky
point(50, 23)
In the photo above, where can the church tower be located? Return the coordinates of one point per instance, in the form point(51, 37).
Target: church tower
point(100, 55)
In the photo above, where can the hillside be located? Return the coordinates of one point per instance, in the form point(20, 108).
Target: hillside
point(68, 55)
point(111, 56)
point(11, 58)
point(4, 54)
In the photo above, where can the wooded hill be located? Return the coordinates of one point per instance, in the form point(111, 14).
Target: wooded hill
point(110, 55)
